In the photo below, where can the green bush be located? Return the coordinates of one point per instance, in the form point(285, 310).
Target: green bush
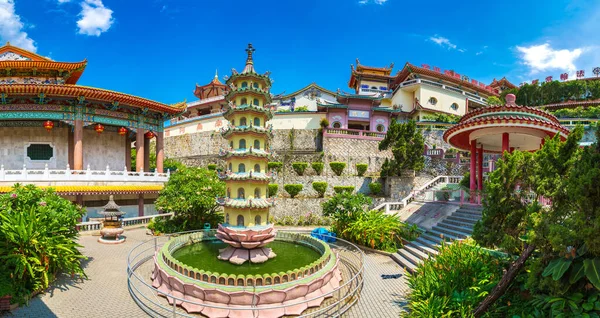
point(299, 167)
point(361, 168)
point(337, 167)
point(273, 188)
point(39, 239)
point(275, 166)
point(344, 208)
point(320, 187)
point(317, 167)
point(455, 281)
point(375, 188)
point(211, 166)
point(340, 189)
point(324, 123)
point(293, 189)
point(377, 230)
point(301, 109)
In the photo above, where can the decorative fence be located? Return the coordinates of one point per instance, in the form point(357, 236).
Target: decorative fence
point(33, 175)
point(353, 134)
point(138, 220)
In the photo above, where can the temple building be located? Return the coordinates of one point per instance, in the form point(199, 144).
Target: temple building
point(75, 138)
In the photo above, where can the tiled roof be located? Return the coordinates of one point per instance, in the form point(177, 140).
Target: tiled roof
point(259, 153)
point(246, 203)
point(73, 190)
point(240, 176)
point(232, 109)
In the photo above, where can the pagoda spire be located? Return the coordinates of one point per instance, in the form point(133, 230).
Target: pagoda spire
point(249, 62)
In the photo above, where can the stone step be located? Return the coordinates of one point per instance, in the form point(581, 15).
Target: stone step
point(456, 218)
point(459, 229)
point(448, 235)
point(475, 213)
point(416, 252)
point(424, 246)
point(467, 215)
point(434, 236)
point(452, 233)
point(404, 263)
point(458, 223)
point(410, 257)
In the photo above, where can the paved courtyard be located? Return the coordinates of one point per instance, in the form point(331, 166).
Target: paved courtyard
point(105, 293)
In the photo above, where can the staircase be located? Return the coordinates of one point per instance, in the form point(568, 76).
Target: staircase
point(457, 226)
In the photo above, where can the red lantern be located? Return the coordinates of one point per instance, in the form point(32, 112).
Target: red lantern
point(122, 131)
point(99, 128)
point(149, 135)
point(48, 125)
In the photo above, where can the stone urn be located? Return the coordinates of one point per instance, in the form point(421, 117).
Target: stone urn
point(111, 226)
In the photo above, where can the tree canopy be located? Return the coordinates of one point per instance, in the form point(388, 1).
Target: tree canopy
point(555, 92)
point(407, 145)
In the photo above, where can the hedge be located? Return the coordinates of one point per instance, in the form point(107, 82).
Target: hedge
point(273, 187)
point(361, 168)
point(375, 187)
point(340, 189)
point(211, 166)
point(337, 167)
point(317, 167)
point(275, 165)
point(293, 189)
point(299, 167)
point(320, 187)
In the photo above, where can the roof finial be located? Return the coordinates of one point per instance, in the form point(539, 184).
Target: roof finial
point(217, 73)
point(249, 50)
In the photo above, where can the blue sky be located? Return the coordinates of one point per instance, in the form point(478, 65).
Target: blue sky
point(159, 49)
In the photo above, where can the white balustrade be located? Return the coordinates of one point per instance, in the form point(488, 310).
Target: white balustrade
point(97, 225)
point(37, 175)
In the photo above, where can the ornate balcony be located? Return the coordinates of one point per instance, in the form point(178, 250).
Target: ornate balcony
point(68, 176)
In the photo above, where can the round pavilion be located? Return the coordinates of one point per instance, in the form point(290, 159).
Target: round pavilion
point(496, 129)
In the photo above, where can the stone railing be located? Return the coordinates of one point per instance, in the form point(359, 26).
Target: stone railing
point(33, 175)
point(353, 134)
point(97, 225)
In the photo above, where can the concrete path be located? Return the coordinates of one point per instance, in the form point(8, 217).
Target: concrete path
point(105, 293)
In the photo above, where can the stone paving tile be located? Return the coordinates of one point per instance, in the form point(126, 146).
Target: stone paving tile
point(105, 292)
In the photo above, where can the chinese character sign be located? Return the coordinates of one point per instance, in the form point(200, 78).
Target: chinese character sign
point(564, 76)
point(548, 79)
point(437, 69)
point(425, 66)
point(580, 73)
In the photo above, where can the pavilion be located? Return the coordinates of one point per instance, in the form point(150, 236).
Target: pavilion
point(76, 138)
point(496, 129)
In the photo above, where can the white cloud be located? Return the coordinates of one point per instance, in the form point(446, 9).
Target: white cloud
point(11, 27)
point(462, 50)
point(543, 57)
point(479, 53)
point(379, 2)
point(95, 18)
point(442, 41)
point(63, 1)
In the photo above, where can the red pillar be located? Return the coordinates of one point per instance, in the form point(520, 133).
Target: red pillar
point(504, 142)
point(139, 147)
point(473, 172)
point(141, 204)
point(160, 152)
point(480, 171)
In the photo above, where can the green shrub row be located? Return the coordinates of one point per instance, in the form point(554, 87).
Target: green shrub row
point(211, 166)
point(273, 188)
point(275, 166)
point(340, 189)
point(299, 167)
point(317, 167)
point(293, 189)
point(337, 167)
point(361, 168)
point(320, 187)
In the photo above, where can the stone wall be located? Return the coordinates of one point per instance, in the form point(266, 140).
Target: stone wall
point(353, 151)
point(295, 208)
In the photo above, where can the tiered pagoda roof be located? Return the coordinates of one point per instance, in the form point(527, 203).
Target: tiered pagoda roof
point(249, 71)
point(248, 152)
point(362, 72)
point(236, 130)
point(246, 203)
point(246, 176)
point(213, 89)
point(251, 108)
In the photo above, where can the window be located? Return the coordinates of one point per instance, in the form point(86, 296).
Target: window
point(231, 144)
point(230, 166)
point(41, 152)
point(255, 102)
point(256, 121)
point(257, 168)
point(454, 106)
point(380, 128)
point(233, 122)
point(241, 167)
point(432, 100)
point(244, 101)
point(241, 193)
point(337, 125)
point(373, 87)
point(257, 220)
point(256, 144)
point(255, 85)
point(256, 193)
point(244, 84)
point(240, 220)
point(227, 218)
point(242, 144)
point(243, 121)
point(228, 193)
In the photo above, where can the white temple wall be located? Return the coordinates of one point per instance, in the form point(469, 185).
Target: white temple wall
point(403, 99)
point(15, 140)
point(444, 98)
point(100, 150)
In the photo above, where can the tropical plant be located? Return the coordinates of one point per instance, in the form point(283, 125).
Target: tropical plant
point(361, 168)
point(273, 188)
point(407, 145)
point(375, 188)
point(344, 208)
point(299, 167)
point(494, 101)
point(337, 167)
point(324, 123)
point(317, 167)
point(465, 182)
point(190, 194)
point(38, 234)
point(454, 282)
point(340, 189)
point(293, 189)
point(320, 187)
point(275, 166)
point(211, 166)
point(377, 230)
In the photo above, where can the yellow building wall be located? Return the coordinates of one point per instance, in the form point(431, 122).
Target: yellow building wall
point(249, 100)
point(404, 99)
point(250, 139)
point(444, 98)
point(237, 119)
point(233, 189)
point(249, 215)
point(248, 162)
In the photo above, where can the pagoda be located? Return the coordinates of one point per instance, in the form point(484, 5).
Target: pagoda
point(246, 204)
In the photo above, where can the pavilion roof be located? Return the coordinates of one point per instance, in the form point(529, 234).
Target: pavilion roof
point(212, 89)
point(309, 86)
point(502, 82)
point(89, 93)
point(369, 72)
point(15, 58)
point(409, 69)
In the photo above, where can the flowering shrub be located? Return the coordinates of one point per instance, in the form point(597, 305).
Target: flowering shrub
point(345, 208)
